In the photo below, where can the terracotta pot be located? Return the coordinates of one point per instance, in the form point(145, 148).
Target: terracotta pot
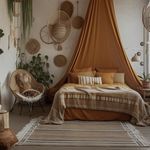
point(146, 84)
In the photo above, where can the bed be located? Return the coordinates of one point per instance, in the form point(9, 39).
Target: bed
point(111, 100)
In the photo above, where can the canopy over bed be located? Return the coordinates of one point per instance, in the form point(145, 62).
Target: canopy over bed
point(99, 44)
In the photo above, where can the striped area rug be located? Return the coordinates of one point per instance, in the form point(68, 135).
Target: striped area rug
point(82, 133)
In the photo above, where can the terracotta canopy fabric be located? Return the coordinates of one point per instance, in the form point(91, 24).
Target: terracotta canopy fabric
point(99, 44)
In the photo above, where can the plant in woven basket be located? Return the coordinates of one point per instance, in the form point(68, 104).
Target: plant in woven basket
point(39, 68)
point(145, 80)
point(1, 35)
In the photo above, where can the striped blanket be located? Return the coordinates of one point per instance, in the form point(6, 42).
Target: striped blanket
point(118, 98)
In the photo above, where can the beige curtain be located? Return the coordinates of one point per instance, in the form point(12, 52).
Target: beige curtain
point(99, 44)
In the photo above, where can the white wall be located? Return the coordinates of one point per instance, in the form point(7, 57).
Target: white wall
point(128, 14)
point(45, 12)
point(8, 58)
point(129, 18)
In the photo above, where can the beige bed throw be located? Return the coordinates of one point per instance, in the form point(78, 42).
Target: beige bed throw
point(116, 98)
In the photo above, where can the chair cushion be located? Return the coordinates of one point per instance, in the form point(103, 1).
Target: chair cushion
point(30, 93)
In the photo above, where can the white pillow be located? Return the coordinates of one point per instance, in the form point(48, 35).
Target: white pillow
point(119, 78)
point(89, 80)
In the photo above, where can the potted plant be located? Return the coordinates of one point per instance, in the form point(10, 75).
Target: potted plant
point(38, 66)
point(146, 80)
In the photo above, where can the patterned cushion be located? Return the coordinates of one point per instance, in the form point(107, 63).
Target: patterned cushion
point(89, 80)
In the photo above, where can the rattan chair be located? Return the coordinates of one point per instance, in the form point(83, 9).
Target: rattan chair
point(21, 84)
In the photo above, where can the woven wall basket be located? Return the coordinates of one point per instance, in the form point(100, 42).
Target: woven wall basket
point(67, 7)
point(32, 46)
point(60, 60)
point(77, 22)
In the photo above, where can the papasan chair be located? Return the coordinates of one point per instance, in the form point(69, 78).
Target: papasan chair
point(26, 89)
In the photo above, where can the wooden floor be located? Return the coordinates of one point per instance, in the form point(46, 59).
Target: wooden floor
point(17, 122)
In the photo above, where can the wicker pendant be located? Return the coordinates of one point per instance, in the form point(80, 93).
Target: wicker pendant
point(59, 31)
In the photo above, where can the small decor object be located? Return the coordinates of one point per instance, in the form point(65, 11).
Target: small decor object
point(60, 60)
point(7, 139)
point(77, 21)
point(142, 43)
point(32, 46)
point(136, 57)
point(142, 63)
point(44, 35)
point(1, 35)
point(67, 7)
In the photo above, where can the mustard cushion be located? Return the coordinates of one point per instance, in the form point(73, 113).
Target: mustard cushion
point(107, 78)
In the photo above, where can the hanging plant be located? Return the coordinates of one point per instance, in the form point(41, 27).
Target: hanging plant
point(27, 17)
point(26, 14)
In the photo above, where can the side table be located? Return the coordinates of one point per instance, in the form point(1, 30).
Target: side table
point(145, 94)
point(4, 119)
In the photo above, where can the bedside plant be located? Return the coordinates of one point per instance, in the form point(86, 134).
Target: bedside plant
point(39, 68)
point(1, 35)
point(146, 80)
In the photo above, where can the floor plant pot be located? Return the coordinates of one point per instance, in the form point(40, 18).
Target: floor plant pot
point(146, 84)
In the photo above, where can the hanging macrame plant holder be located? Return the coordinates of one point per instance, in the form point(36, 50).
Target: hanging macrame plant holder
point(146, 17)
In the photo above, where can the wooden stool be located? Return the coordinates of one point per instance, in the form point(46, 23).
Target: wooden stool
point(7, 139)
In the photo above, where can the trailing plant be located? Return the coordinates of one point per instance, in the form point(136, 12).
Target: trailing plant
point(39, 68)
point(1, 35)
point(26, 14)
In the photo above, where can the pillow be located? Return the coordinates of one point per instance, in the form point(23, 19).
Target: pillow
point(107, 78)
point(119, 78)
point(23, 81)
point(89, 80)
point(73, 77)
point(30, 93)
point(107, 70)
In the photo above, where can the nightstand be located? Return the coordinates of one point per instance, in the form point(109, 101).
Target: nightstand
point(145, 94)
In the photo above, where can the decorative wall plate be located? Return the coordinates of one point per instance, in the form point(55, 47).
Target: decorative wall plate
point(32, 46)
point(67, 7)
point(44, 35)
point(60, 60)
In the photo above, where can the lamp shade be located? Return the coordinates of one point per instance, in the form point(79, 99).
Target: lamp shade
point(136, 58)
